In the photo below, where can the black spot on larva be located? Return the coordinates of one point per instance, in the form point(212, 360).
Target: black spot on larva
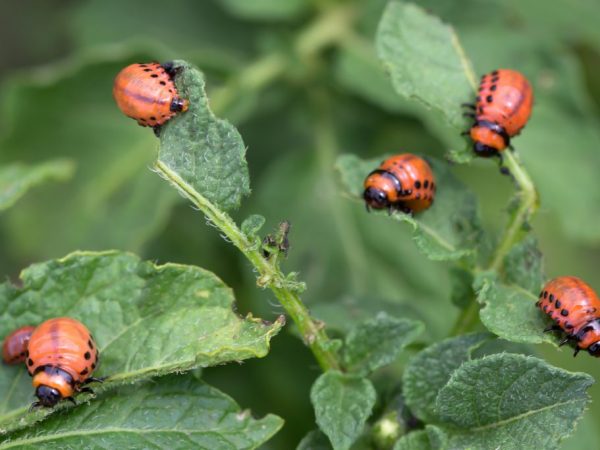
point(545, 308)
point(495, 79)
point(163, 83)
point(494, 73)
point(558, 303)
point(493, 87)
point(551, 297)
point(568, 325)
point(84, 371)
point(481, 110)
point(171, 90)
point(154, 75)
point(545, 294)
point(564, 312)
point(489, 99)
point(93, 366)
point(87, 355)
point(426, 184)
point(90, 344)
point(142, 119)
point(27, 353)
point(541, 294)
point(432, 185)
point(22, 354)
point(152, 118)
point(143, 65)
point(147, 70)
point(30, 362)
point(417, 184)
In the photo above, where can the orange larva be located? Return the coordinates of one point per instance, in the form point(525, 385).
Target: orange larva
point(403, 182)
point(502, 109)
point(61, 358)
point(14, 348)
point(146, 93)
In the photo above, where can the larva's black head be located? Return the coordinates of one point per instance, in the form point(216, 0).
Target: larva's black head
point(48, 396)
point(484, 150)
point(376, 198)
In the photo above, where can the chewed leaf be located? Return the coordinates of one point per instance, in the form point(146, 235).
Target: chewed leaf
point(448, 230)
point(148, 320)
point(509, 311)
point(206, 152)
point(511, 402)
point(16, 179)
point(425, 60)
point(171, 412)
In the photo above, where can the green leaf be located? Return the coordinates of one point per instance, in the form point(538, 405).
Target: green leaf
point(512, 401)
point(509, 311)
point(448, 230)
point(16, 179)
point(378, 342)
point(462, 293)
point(416, 440)
point(314, 440)
point(431, 438)
point(112, 200)
point(148, 320)
point(252, 225)
point(425, 60)
point(170, 412)
point(207, 153)
point(523, 265)
point(265, 9)
point(429, 371)
point(342, 403)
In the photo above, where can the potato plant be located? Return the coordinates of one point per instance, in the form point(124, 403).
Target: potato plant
point(231, 256)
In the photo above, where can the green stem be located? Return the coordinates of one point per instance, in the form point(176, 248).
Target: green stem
point(527, 205)
point(269, 275)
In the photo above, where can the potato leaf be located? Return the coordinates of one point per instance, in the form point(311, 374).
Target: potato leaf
point(147, 320)
point(171, 412)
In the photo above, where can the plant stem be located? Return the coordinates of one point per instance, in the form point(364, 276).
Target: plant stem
point(527, 205)
point(269, 275)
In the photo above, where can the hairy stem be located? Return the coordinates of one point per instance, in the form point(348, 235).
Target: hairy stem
point(269, 274)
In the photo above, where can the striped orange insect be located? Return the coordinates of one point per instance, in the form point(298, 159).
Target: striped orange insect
point(14, 348)
point(61, 358)
point(574, 308)
point(503, 107)
point(403, 182)
point(146, 92)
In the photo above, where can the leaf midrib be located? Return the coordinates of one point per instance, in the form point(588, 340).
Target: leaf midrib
point(503, 422)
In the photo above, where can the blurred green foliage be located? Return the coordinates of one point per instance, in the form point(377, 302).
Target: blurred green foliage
point(58, 62)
